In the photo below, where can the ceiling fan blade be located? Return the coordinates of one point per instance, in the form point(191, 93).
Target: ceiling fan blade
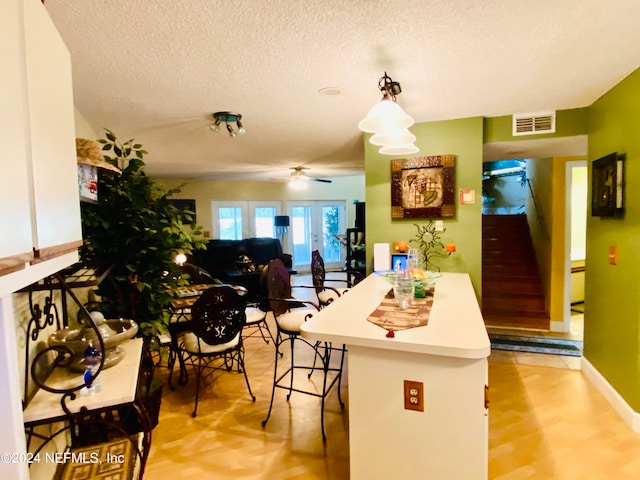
point(323, 180)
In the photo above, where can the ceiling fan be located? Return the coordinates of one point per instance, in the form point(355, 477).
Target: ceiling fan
point(298, 175)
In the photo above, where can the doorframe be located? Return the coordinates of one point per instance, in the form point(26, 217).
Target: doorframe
point(565, 325)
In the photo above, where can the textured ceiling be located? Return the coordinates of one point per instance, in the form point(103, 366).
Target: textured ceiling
point(157, 70)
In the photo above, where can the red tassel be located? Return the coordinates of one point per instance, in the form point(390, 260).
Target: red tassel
point(390, 334)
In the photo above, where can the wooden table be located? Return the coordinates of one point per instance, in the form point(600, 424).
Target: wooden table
point(448, 357)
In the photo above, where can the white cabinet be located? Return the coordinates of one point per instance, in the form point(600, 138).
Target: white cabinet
point(449, 439)
point(39, 195)
point(15, 211)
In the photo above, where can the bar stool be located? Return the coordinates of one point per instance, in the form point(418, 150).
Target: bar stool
point(290, 314)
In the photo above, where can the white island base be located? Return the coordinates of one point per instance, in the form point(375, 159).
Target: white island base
point(449, 439)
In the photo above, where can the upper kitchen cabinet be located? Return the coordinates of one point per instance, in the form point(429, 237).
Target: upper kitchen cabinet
point(40, 199)
point(15, 206)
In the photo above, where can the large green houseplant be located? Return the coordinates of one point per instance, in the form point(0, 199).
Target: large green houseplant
point(135, 227)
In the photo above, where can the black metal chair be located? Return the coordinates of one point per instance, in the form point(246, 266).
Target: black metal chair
point(325, 294)
point(290, 314)
point(215, 340)
point(256, 323)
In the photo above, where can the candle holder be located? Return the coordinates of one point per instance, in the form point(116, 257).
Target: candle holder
point(428, 240)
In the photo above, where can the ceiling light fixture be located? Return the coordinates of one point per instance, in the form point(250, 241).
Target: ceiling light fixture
point(405, 149)
point(388, 122)
point(297, 181)
point(386, 114)
point(228, 118)
point(392, 137)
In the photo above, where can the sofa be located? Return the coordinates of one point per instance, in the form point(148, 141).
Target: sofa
point(223, 258)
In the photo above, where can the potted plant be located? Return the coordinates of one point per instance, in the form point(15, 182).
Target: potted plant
point(134, 227)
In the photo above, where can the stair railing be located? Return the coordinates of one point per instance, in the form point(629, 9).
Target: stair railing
point(539, 216)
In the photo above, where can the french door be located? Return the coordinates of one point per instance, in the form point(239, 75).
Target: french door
point(315, 225)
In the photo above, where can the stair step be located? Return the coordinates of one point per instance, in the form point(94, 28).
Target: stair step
point(510, 270)
point(517, 321)
point(512, 293)
point(510, 303)
point(513, 312)
point(518, 286)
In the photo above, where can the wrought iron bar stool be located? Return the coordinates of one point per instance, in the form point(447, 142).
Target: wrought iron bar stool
point(290, 314)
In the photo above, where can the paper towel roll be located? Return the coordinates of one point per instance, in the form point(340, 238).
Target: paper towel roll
point(381, 257)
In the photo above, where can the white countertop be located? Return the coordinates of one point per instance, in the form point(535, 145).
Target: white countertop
point(455, 329)
point(117, 387)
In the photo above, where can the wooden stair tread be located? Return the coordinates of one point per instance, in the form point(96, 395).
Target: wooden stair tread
point(512, 292)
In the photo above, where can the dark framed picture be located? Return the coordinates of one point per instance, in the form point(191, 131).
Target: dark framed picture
point(185, 207)
point(423, 187)
point(607, 185)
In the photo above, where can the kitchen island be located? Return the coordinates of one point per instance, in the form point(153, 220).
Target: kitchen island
point(447, 358)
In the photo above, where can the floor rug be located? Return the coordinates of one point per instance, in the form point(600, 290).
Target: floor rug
point(548, 345)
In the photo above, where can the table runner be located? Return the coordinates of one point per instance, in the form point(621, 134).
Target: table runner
point(389, 316)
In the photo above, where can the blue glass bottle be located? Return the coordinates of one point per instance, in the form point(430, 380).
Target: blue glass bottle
point(92, 358)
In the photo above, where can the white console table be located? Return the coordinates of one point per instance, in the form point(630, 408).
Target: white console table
point(117, 387)
point(449, 439)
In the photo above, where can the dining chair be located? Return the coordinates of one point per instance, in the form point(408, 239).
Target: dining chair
point(325, 293)
point(214, 341)
point(290, 313)
point(256, 324)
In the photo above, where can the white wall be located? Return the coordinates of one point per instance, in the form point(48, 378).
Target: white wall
point(84, 129)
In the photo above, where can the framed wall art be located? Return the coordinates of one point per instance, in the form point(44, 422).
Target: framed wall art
point(607, 185)
point(423, 187)
point(185, 205)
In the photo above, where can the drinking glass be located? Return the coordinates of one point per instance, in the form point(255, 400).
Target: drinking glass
point(415, 260)
point(403, 290)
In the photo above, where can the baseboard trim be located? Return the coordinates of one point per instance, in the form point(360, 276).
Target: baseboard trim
point(557, 327)
point(619, 404)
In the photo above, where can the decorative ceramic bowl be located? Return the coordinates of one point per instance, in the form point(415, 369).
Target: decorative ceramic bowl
point(113, 332)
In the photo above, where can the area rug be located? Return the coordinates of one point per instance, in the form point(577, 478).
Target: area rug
point(522, 343)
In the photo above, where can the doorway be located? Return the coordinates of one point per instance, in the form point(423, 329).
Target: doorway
point(575, 247)
point(316, 225)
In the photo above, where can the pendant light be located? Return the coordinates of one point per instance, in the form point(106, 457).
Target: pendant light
point(388, 122)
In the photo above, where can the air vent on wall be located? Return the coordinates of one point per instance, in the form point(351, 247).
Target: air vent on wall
point(534, 123)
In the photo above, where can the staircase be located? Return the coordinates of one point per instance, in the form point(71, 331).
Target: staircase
point(512, 294)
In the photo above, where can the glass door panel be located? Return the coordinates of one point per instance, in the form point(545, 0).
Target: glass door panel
point(314, 225)
point(301, 235)
point(331, 251)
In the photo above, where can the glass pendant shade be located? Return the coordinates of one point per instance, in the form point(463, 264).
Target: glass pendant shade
point(297, 184)
point(405, 149)
point(392, 137)
point(384, 116)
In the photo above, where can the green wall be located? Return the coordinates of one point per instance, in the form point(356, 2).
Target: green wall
point(612, 305)
point(462, 138)
point(568, 124)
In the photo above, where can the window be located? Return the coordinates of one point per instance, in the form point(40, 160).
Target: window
point(234, 220)
point(263, 220)
point(230, 223)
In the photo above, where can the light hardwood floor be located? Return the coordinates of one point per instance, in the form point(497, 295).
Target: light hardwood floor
point(545, 423)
